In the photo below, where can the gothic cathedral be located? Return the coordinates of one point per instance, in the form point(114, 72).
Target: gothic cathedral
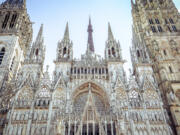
point(91, 95)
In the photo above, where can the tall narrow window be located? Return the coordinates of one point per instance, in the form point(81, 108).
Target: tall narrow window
point(96, 70)
point(82, 71)
point(174, 28)
point(166, 21)
point(145, 55)
point(68, 53)
point(160, 29)
point(11, 67)
point(4, 24)
point(37, 52)
point(13, 20)
point(165, 53)
point(89, 70)
point(169, 29)
point(93, 71)
point(157, 21)
point(71, 70)
point(2, 52)
point(153, 28)
point(78, 71)
point(102, 70)
point(64, 51)
point(99, 71)
point(109, 53)
point(107, 71)
point(85, 71)
point(151, 21)
point(74, 70)
point(170, 70)
point(138, 53)
point(171, 21)
point(113, 52)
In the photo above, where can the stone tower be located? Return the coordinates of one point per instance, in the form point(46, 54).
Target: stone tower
point(15, 38)
point(156, 48)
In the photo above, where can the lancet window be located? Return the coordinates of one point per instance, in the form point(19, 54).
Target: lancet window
point(64, 51)
point(151, 21)
point(157, 21)
point(170, 69)
point(153, 28)
point(174, 28)
point(113, 52)
point(6, 19)
point(165, 53)
point(171, 20)
point(2, 53)
point(13, 20)
point(160, 29)
point(37, 52)
point(12, 64)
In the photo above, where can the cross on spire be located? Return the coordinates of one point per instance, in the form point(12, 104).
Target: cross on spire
point(90, 37)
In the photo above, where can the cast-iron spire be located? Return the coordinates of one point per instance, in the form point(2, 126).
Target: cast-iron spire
point(90, 37)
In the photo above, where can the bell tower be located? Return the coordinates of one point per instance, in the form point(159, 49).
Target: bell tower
point(15, 38)
point(156, 25)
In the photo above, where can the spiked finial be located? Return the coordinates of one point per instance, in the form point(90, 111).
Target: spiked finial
point(90, 37)
point(110, 34)
point(66, 33)
point(40, 34)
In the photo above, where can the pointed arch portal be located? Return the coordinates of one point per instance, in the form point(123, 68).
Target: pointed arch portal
point(90, 105)
point(99, 95)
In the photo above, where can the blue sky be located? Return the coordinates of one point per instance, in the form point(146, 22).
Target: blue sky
point(55, 13)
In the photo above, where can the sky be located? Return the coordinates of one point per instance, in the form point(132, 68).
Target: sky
point(54, 14)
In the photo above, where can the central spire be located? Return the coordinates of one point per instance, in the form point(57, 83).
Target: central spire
point(90, 37)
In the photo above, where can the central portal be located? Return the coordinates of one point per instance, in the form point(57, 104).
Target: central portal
point(91, 113)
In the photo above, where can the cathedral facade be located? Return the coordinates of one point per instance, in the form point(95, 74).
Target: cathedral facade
point(91, 95)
